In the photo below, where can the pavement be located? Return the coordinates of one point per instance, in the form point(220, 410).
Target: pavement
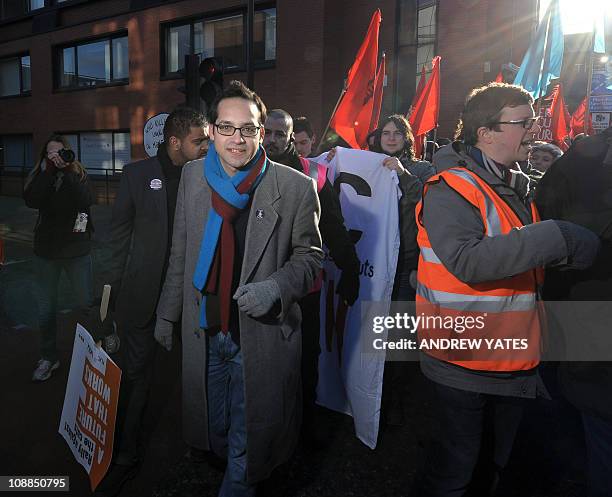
point(30, 412)
point(548, 459)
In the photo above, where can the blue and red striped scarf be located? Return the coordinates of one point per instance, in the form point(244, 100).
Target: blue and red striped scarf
point(230, 195)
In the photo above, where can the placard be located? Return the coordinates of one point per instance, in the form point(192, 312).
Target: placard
point(154, 133)
point(90, 406)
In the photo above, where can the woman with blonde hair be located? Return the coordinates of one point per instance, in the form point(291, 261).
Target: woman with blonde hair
point(59, 188)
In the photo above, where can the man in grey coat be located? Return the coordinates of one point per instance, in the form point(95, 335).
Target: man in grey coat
point(246, 247)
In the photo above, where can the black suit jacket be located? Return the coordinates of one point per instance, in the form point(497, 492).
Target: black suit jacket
point(139, 242)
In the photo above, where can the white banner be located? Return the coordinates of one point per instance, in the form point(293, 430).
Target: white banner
point(349, 381)
point(90, 406)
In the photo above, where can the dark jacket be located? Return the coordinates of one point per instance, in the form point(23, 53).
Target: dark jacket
point(419, 168)
point(411, 186)
point(139, 244)
point(59, 198)
point(578, 188)
point(331, 225)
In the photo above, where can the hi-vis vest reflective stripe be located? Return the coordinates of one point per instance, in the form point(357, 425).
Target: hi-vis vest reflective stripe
point(316, 171)
point(508, 308)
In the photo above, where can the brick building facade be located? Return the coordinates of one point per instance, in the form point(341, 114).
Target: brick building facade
point(302, 53)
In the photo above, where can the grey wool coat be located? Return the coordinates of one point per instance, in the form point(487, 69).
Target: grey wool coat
point(283, 244)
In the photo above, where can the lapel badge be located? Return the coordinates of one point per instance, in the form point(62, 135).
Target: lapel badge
point(259, 214)
point(156, 184)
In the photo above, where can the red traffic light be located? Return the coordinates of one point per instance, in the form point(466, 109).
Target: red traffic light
point(211, 67)
point(211, 71)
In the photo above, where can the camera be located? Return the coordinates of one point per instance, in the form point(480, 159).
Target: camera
point(66, 155)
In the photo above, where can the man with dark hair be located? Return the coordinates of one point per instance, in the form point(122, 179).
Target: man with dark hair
point(483, 250)
point(304, 136)
point(141, 235)
point(245, 248)
point(278, 143)
point(178, 126)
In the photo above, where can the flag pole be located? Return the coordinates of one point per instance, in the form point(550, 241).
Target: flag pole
point(331, 117)
point(435, 135)
point(587, 113)
point(539, 99)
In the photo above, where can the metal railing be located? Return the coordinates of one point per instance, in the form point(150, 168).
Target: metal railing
point(96, 175)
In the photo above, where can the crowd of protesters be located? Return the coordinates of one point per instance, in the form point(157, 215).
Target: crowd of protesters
point(238, 212)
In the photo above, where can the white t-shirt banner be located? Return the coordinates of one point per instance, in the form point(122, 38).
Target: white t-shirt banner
point(349, 381)
point(90, 406)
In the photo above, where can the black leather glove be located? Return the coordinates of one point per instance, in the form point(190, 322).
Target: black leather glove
point(104, 331)
point(348, 286)
point(582, 244)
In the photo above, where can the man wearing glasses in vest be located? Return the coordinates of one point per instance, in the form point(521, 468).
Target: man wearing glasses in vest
point(483, 253)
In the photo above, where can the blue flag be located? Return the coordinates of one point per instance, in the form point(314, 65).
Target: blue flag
point(544, 57)
point(599, 43)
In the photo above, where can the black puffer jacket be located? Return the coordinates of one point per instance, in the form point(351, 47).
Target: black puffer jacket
point(578, 188)
point(59, 198)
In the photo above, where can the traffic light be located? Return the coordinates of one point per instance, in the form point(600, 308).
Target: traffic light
point(192, 82)
point(203, 81)
point(211, 71)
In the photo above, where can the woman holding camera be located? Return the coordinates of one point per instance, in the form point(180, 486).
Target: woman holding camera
point(59, 188)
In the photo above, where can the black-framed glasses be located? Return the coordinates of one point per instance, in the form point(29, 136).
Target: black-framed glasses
point(248, 131)
point(525, 123)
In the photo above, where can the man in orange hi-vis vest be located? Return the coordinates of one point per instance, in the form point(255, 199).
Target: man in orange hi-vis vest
point(483, 253)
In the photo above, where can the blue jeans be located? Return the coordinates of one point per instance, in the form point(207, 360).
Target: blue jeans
point(80, 274)
point(598, 437)
point(226, 413)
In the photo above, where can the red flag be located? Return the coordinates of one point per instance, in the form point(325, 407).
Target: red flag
point(417, 93)
point(354, 113)
point(378, 95)
point(424, 117)
point(560, 118)
point(499, 78)
point(577, 121)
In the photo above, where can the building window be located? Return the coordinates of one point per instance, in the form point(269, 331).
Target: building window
point(220, 37)
point(16, 151)
point(101, 152)
point(416, 45)
point(426, 36)
point(96, 63)
point(15, 76)
point(18, 8)
point(264, 35)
